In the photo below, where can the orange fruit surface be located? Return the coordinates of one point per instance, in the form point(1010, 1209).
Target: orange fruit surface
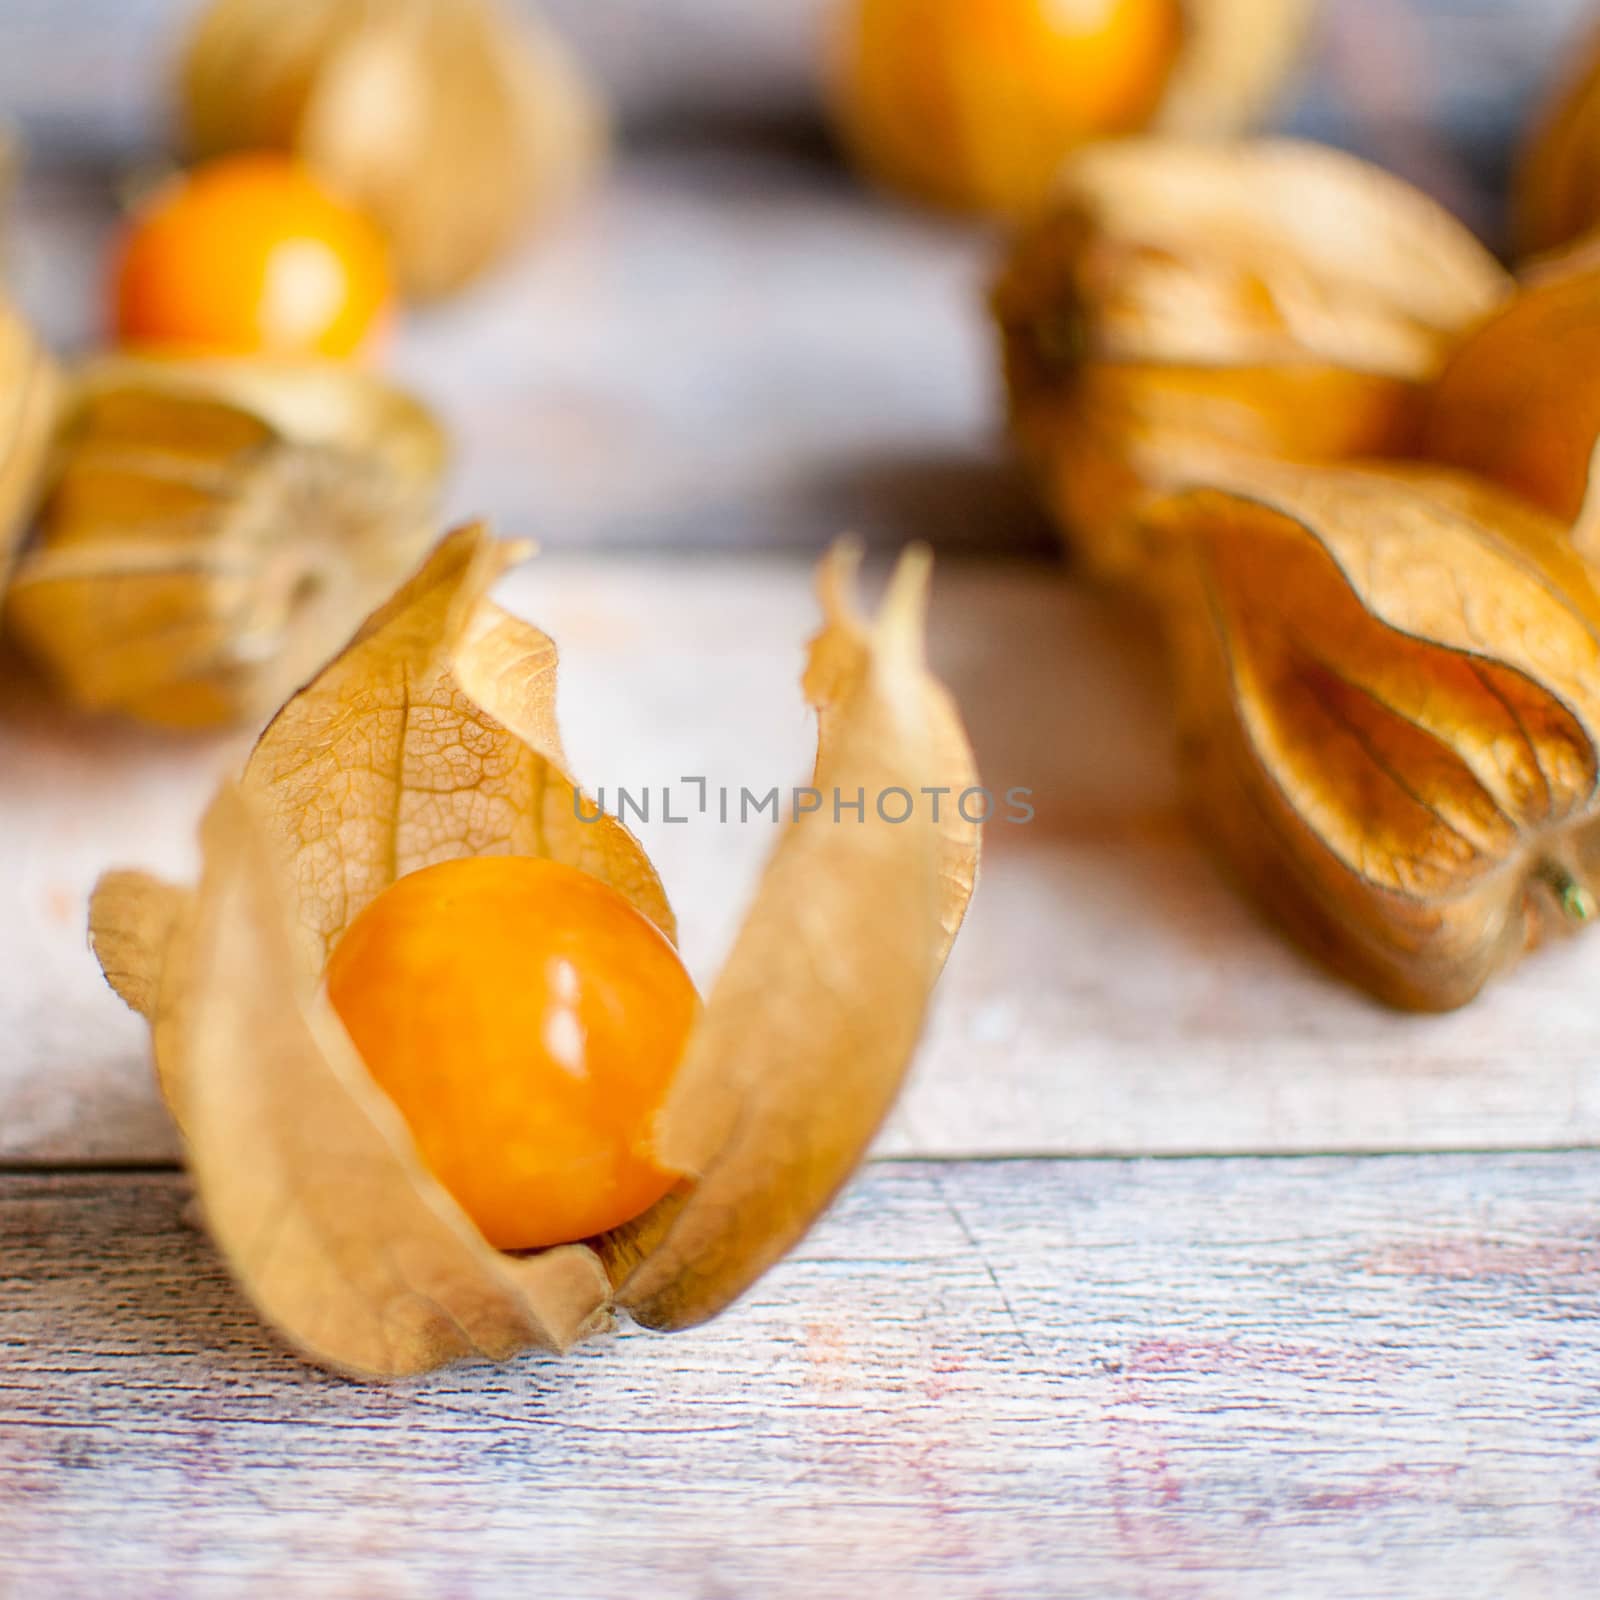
point(527, 1021)
point(250, 254)
point(973, 104)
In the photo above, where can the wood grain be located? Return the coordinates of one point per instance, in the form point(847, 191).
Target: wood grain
point(1157, 1379)
point(1111, 993)
point(1173, 1380)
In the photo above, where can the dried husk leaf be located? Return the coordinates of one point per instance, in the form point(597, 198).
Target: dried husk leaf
point(1557, 193)
point(843, 655)
point(1518, 403)
point(1389, 692)
point(1236, 59)
point(942, 101)
point(215, 529)
point(808, 1032)
point(141, 931)
point(308, 1177)
point(434, 737)
point(135, 918)
point(452, 123)
point(1182, 308)
point(30, 392)
point(431, 738)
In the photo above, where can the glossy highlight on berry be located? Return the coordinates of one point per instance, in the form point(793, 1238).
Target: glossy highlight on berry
point(250, 255)
point(527, 1021)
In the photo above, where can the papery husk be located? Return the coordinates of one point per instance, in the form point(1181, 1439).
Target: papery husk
point(1518, 403)
point(1235, 62)
point(950, 117)
point(1556, 196)
point(452, 123)
point(434, 737)
point(215, 529)
point(1182, 308)
point(1389, 694)
point(807, 1034)
point(30, 394)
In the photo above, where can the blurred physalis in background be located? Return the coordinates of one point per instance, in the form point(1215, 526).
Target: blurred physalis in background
point(973, 106)
point(450, 123)
point(212, 531)
point(1558, 192)
point(248, 255)
point(29, 390)
point(1518, 403)
point(1180, 305)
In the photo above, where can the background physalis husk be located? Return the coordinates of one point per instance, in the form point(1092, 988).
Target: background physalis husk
point(30, 389)
point(1518, 402)
point(453, 124)
point(1557, 197)
point(1236, 56)
point(1389, 696)
point(1180, 306)
point(215, 529)
point(941, 100)
point(432, 737)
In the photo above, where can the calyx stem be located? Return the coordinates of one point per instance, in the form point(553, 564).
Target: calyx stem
point(1575, 899)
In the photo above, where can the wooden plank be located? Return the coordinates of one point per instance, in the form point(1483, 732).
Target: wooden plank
point(1111, 993)
point(722, 348)
point(1174, 1380)
point(732, 348)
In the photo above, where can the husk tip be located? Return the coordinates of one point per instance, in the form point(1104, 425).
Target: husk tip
point(836, 579)
point(903, 616)
point(131, 916)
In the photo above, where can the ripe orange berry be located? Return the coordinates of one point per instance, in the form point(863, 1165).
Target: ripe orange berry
point(250, 254)
point(973, 104)
point(527, 1021)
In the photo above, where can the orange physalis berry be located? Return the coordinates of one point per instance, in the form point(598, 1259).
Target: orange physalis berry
point(527, 1021)
point(974, 106)
point(250, 255)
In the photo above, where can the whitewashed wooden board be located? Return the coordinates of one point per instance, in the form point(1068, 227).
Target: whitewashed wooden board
point(1156, 1380)
point(1111, 993)
point(723, 347)
point(1204, 1379)
point(735, 349)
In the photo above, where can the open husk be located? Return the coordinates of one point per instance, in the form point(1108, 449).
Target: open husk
point(957, 104)
point(1517, 402)
point(453, 124)
point(1182, 307)
point(1389, 696)
point(433, 736)
point(30, 390)
point(213, 531)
